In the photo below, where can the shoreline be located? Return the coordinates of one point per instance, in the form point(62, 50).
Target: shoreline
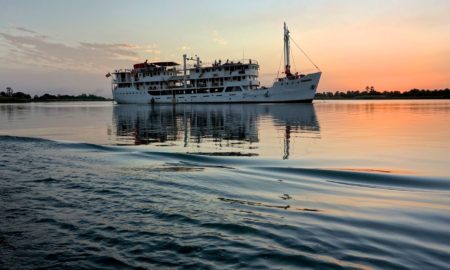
point(380, 98)
point(18, 101)
point(14, 100)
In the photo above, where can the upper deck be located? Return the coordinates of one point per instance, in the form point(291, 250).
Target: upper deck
point(171, 74)
point(224, 70)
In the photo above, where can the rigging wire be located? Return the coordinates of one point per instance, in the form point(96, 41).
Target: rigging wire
point(293, 61)
point(279, 66)
point(304, 53)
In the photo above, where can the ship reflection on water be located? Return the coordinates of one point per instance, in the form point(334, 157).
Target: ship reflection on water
point(228, 129)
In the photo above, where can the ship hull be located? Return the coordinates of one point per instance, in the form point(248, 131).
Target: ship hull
point(299, 89)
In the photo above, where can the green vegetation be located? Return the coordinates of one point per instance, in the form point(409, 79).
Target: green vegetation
point(10, 97)
point(371, 93)
point(19, 97)
point(82, 97)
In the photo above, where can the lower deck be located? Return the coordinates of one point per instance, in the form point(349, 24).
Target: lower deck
point(292, 90)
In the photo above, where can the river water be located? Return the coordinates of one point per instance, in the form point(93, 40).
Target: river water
point(329, 185)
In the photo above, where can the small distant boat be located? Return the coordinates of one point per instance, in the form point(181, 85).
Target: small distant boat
point(220, 82)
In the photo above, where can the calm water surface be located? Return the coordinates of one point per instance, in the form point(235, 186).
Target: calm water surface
point(329, 185)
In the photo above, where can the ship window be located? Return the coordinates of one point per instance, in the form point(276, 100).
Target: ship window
point(233, 89)
point(313, 87)
point(216, 90)
point(155, 93)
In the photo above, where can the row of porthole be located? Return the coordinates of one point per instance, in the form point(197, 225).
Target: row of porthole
point(132, 93)
point(312, 86)
point(179, 97)
point(167, 97)
point(137, 93)
point(290, 83)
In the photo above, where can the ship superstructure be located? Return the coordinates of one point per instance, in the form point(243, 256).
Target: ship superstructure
point(223, 81)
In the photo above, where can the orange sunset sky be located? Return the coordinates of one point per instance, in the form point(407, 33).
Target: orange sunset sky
point(68, 46)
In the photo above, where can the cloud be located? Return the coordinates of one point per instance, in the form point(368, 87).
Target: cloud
point(153, 51)
point(218, 39)
point(184, 48)
point(23, 29)
point(23, 50)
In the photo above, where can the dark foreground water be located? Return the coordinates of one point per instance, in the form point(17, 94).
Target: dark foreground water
point(356, 185)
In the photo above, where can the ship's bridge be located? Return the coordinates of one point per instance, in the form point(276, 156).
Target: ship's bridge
point(155, 71)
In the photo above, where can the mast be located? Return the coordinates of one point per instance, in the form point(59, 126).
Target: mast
point(184, 70)
point(287, 52)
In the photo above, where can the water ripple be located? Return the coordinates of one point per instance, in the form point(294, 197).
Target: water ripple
point(91, 206)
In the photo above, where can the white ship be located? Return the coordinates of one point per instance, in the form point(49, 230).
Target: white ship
point(220, 82)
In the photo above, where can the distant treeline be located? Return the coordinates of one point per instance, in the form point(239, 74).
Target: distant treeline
point(22, 97)
point(82, 97)
point(371, 93)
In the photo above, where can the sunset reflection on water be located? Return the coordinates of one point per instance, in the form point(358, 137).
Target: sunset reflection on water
point(398, 136)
